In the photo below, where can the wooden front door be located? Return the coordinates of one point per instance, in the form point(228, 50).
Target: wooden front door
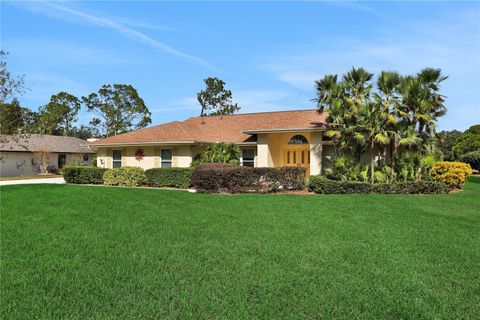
point(297, 157)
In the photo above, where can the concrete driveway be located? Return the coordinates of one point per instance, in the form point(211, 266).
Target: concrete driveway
point(32, 181)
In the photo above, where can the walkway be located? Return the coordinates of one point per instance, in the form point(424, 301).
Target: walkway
point(32, 181)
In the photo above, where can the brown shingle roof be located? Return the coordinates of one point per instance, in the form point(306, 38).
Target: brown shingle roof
point(36, 142)
point(229, 128)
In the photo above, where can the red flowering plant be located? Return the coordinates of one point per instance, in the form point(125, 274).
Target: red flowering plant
point(139, 154)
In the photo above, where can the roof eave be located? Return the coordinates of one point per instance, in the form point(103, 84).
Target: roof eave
point(143, 143)
point(256, 131)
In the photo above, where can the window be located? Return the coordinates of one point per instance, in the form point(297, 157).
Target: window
point(86, 157)
point(117, 158)
point(298, 139)
point(248, 158)
point(166, 158)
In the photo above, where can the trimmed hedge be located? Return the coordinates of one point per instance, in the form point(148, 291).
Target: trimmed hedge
point(236, 179)
point(125, 176)
point(169, 177)
point(322, 185)
point(83, 174)
point(454, 174)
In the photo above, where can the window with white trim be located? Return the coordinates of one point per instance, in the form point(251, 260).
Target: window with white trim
point(248, 158)
point(166, 158)
point(117, 158)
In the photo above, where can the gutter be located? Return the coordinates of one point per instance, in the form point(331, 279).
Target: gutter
point(256, 131)
point(143, 143)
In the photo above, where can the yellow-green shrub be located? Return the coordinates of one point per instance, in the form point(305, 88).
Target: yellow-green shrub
point(125, 176)
point(454, 174)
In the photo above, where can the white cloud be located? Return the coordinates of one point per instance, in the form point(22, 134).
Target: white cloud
point(73, 15)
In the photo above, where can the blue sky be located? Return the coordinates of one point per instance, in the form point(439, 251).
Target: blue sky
point(269, 53)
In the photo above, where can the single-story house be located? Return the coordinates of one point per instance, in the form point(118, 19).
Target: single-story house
point(17, 153)
point(266, 139)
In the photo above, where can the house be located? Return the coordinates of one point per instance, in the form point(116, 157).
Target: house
point(266, 139)
point(17, 153)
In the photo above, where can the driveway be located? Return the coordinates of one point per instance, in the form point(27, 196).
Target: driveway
point(32, 181)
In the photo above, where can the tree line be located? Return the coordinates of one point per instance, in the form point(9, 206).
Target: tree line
point(116, 108)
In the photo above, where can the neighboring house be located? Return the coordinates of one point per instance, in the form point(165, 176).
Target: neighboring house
point(17, 153)
point(266, 139)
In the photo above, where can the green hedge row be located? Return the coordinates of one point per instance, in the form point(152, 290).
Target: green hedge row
point(169, 177)
point(237, 179)
point(322, 185)
point(129, 176)
point(83, 174)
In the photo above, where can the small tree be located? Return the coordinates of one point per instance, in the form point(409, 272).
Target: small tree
point(215, 99)
point(44, 156)
point(221, 152)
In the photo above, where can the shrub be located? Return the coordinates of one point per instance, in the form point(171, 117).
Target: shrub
point(236, 179)
point(454, 174)
point(169, 177)
point(472, 158)
point(125, 176)
point(219, 152)
point(469, 141)
point(322, 185)
point(83, 174)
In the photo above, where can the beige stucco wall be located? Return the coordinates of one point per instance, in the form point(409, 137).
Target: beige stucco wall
point(13, 164)
point(181, 156)
point(264, 156)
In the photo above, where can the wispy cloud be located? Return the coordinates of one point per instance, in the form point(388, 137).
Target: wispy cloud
point(263, 100)
point(144, 25)
point(53, 52)
point(64, 12)
point(356, 5)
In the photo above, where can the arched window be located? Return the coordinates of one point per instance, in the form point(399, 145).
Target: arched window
point(298, 139)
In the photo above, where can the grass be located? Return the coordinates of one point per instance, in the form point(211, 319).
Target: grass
point(39, 176)
point(94, 252)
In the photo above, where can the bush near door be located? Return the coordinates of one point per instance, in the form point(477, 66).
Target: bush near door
point(169, 177)
point(237, 179)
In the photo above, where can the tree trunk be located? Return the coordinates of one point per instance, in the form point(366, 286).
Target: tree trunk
point(394, 156)
point(384, 155)
point(372, 162)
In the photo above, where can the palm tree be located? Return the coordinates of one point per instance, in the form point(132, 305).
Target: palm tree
point(388, 84)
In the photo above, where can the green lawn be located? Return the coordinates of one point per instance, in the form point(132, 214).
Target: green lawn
point(98, 252)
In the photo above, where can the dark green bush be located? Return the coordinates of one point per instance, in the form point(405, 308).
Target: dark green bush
point(169, 177)
point(125, 176)
point(83, 174)
point(237, 179)
point(322, 185)
point(472, 158)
